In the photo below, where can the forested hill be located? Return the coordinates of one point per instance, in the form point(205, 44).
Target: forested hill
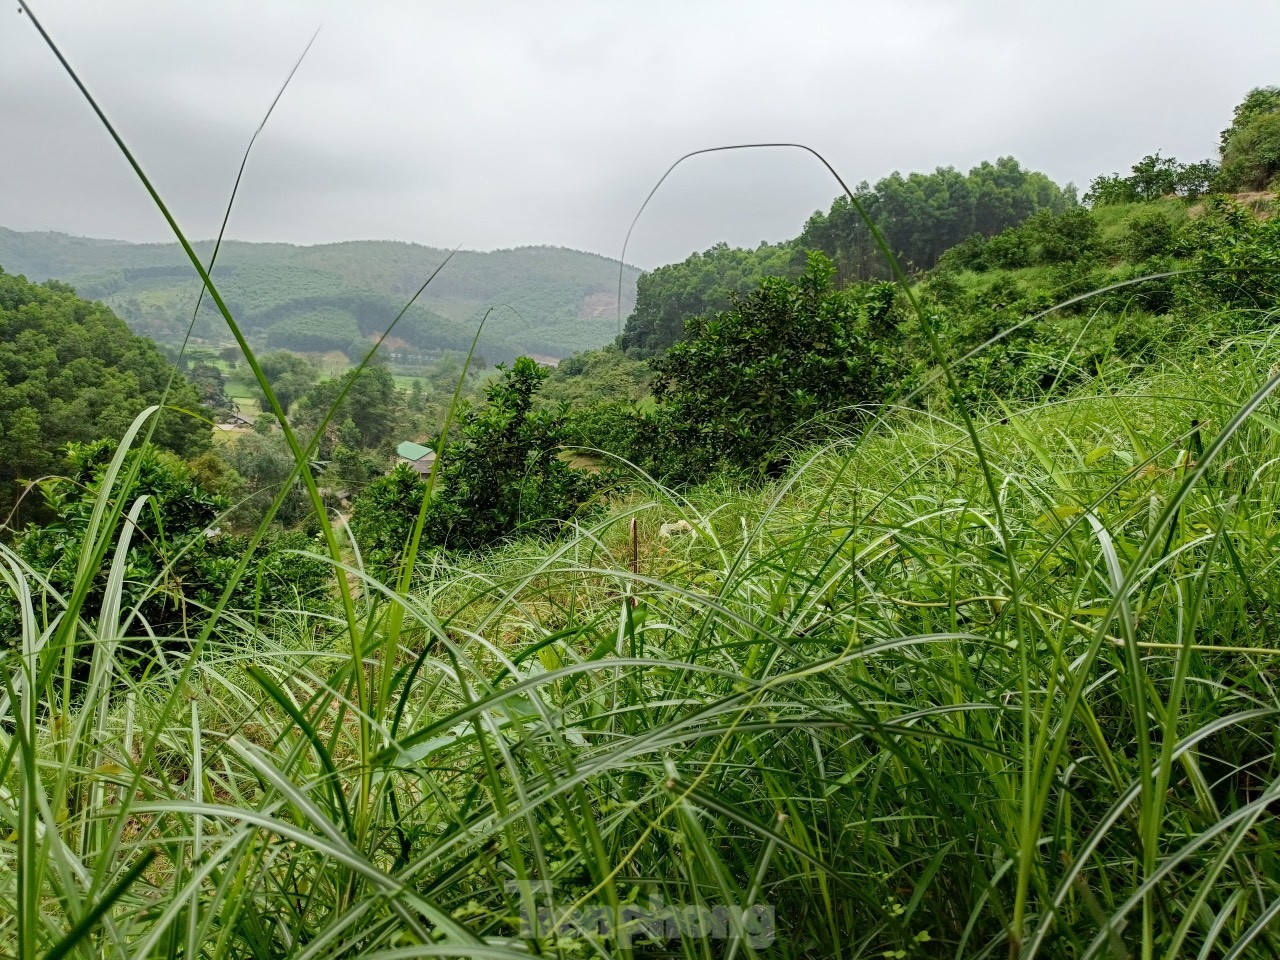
point(330, 296)
point(921, 215)
point(71, 372)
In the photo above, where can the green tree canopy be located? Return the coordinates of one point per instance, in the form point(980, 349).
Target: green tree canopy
point(703, 283)
point(372, 404)
point(72, 372)
point(1251, 145)
point(290, 376)
point(262, 463)
point(500, 475)
point(1151, 178)
point(924, 214)
point(774, 367)
point(921, 216)
point(180, 557)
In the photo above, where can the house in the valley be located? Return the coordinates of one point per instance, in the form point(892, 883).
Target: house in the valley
point(422, 459)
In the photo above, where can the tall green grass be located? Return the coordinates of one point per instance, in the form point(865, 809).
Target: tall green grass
point(962, 685)
point(812, 701)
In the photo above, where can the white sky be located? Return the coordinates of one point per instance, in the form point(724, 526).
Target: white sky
point(496, 124)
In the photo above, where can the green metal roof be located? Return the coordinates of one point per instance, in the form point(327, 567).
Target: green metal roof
point(412, 451)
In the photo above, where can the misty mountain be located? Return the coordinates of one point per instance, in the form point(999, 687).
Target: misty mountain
point(546, 301)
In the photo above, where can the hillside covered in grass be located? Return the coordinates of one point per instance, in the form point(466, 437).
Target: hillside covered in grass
point(547, 300)
point(924, 613)
point(938, 681)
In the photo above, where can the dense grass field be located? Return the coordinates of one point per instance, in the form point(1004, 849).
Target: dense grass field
point(905, 716)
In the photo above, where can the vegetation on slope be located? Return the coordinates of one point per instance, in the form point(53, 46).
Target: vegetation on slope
point(902, 715)
point(923, 216)
point(178, 554)
point(70, 371)
point(747, 381)
point(920, 216)
point(500, 475)
point(1251, 145)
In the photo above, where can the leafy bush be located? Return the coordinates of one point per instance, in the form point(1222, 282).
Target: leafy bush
point(1239, 254)
point(618, 428)
point(1069, 237)
point(262, 464)
point(607, 374)
point(383, 515)
point(1047, 238)
point(779, 365)
point(968, 254)
point(1150, 235)
point(1008, 250)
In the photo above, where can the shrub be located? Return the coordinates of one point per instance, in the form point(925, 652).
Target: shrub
point(968, 254)
point(1239, 254)
point(1009, 250)
point(613, 427)
point(784, 362)
point(1149, 235)
point(1063, 238)
point(502, 474)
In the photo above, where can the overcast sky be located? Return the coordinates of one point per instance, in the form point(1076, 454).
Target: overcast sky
point(497, 124)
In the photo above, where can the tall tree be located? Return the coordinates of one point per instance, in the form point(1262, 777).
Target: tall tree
point(372, 404)
point(923, 215)
point(1251, 145)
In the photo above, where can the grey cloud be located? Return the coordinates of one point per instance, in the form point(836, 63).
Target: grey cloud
point(504, 123)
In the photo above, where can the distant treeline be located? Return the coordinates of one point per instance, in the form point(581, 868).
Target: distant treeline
point(921, 216)
point(544, 300)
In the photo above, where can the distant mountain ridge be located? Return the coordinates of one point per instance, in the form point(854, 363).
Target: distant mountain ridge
point(549, 301)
